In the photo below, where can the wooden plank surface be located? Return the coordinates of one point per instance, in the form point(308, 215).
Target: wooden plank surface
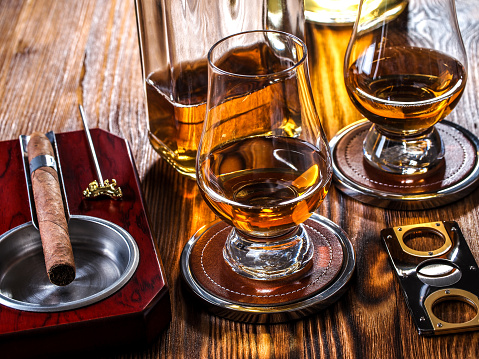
point(55, 54)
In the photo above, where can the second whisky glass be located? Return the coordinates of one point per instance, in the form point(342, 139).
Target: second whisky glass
point(263, 164)
point(405, 74)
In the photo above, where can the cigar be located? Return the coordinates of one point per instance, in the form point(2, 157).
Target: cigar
point(53, 226)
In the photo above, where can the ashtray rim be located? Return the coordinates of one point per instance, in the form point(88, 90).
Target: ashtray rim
point(130, 269)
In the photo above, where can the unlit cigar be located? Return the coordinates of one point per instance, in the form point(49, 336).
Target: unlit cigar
point(53, 226)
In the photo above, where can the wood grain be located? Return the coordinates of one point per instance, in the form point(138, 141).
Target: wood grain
point(57, 53)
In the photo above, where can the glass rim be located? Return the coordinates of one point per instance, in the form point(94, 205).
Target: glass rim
point(296, 64)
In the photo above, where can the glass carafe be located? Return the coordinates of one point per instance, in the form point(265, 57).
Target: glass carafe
point(174, 39)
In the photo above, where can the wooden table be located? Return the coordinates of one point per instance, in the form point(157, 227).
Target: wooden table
point(57, 54)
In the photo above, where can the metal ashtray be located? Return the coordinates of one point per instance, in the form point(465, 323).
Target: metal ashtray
point(106, 257)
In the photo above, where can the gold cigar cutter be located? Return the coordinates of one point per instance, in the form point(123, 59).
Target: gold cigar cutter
point(434, 276)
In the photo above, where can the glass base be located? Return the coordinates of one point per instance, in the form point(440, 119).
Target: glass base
point(184, 162)
point(258, 259)
point(403, 155)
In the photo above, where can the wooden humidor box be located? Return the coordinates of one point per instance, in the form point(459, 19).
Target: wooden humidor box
point(137, 312)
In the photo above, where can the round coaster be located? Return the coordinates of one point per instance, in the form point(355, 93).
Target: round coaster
point(451, 180)
point(239, 298)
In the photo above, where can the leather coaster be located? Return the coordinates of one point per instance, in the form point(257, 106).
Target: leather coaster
point(212, 273)
point(451, 180)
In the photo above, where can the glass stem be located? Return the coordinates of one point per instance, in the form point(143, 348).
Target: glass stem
point(403, 155)
point(268, 259)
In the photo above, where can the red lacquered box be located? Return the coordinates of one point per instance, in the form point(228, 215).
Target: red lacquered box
point(137, 312)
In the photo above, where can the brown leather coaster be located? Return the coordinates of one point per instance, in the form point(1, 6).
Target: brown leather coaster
point(215, 276)
point(451, 180)
point(232, 296)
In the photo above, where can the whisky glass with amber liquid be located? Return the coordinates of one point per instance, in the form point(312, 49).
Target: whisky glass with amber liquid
point(263, 163)
point(405, 74)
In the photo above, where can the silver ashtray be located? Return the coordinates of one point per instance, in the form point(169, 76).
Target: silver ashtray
point(106, 256)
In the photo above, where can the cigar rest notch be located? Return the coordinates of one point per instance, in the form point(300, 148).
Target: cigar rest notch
point(26, 169)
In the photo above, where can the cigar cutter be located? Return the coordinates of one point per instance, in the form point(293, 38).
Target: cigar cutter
point(428, 277)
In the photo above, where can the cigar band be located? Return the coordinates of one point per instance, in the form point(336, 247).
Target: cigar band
point(43, 161)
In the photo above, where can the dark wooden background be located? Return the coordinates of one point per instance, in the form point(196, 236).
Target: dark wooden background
point(55, 54)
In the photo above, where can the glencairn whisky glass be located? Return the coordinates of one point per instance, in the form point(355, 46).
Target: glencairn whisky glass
point(405, 74)
point(263, 163)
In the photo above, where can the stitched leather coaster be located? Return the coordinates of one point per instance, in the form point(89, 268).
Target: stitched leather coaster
point(452, 179)
point(213, 274)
